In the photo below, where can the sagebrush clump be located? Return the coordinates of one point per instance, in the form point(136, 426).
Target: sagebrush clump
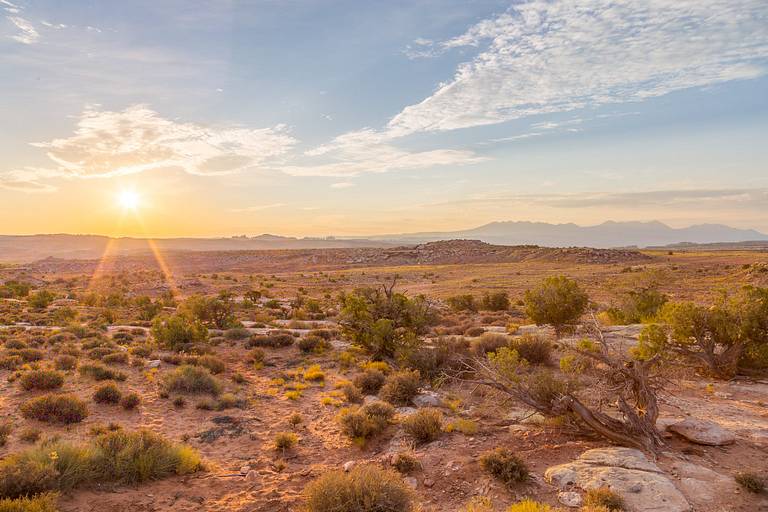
point(366, 488)
point(55, 409)
point(504, 465)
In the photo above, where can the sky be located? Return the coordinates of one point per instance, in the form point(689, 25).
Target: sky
point(325, 117)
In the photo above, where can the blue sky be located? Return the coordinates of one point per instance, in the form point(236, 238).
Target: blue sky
point(313, 118)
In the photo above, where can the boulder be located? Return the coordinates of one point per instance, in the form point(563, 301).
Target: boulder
point(426, 399)
point(628, 472)
point(703, 432)
point(570, 499)
point(701, 485)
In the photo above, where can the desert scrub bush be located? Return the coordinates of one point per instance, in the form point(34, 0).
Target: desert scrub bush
point(465, 426)
point(603, 498)
point(464, 302)
point(107, 393)
point(366, 488)
point(351, 392)
point(445, 354)
point(42, 503)
point(400, 387)
point(212, 363)
point(191, 379)
point(751, 482)
point(10, 362)
point(314, 374)
point(271, 340)
point(370, 381)
point(6, 428)
point(496, 301)
point(405, 463)
point(100, 372)
point(41, 380)
point(115, 358)
point(488, 342)
point(557, 301)
point(65, 362)
point(534, 349)
point(531, 506)
point(362, 423)
point(505, 466)
point(28, 355)
point(178, 332)
point(236, 333)
point(312, 343)
point(285, 441)
point(30, 435)
point(130, 401)
point(55, 409)
point(140, 350)
point(473, 331)
point(425, 425)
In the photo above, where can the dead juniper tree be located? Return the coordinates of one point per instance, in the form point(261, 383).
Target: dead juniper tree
point(612, 395)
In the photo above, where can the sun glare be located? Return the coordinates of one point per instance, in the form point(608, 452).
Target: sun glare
point(128, 199)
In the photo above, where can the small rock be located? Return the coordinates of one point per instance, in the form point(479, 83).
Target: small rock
point(245, 469)
point(411, 482)
point(703, 432)
point(428, 482)
point(426, 400)
point(154, 363)
point(570, 499)
point(348, 465)
point(367, 399)
point(405, 411)
point(251, 476)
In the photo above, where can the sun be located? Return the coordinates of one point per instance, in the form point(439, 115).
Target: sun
point(129, 199)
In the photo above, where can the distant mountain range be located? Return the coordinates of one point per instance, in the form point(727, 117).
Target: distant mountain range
point(607, 234)
point(24, 248)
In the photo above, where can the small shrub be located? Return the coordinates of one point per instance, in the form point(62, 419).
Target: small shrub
point(400, 387)
point(130, 401)
point(605, 498)
point(271, 340)
point(5, 430)
point(362, 423)
point(295, 420)
point(473, 332)
point(55, 409)
point(41, 380)
point(10, 362)
point(532, 348)
point(42, 503)
point(557, 301)
point(65, 362)
point(488, 342)
point(30, 435)
point(531, 506)
point(505, 466)
point(751, 482)
point(425, 425)
point(100, 372)
point(236, 333)
point(405, 463)
point(370, 381)
point(191, 379)
point(285, 440)
point(366, 488)
point(107, 394)
point(116, 358)
point(179, 402)
point(312, 343)
point(214, 364)
point(314, 374)
point(351, 393)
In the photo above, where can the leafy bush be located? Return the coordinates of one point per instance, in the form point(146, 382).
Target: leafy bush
point(116, 358)
point(370, 381)
point(107, 393)
point(446, 353)
point(41, 380)
point(400, 387)
point(424, 425)
point(237, 333)
point(285, 440)
point(605, 498)
point(271, 340)
point(505, 466)
point(534, 349)
point(212, 363)
point(405, 463)
point(366, 488)
point(312, 343)
point(42, 503)
point(362, 423)
point(497, 301)
point(465, 302)
point(100, 372)
point(751, 482)
point(213, 312)
point(65, 362)
point(488, 342)
point(557, 301)
point(130, 401)
point(191, 379)
point(55, 409)
point(178, 332)
point(638, 306)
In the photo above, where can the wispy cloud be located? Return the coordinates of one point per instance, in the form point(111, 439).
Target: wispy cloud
point(257, 208)
point(554, 56)
point(342, 184)
point(137, 139)
point(27, 32)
